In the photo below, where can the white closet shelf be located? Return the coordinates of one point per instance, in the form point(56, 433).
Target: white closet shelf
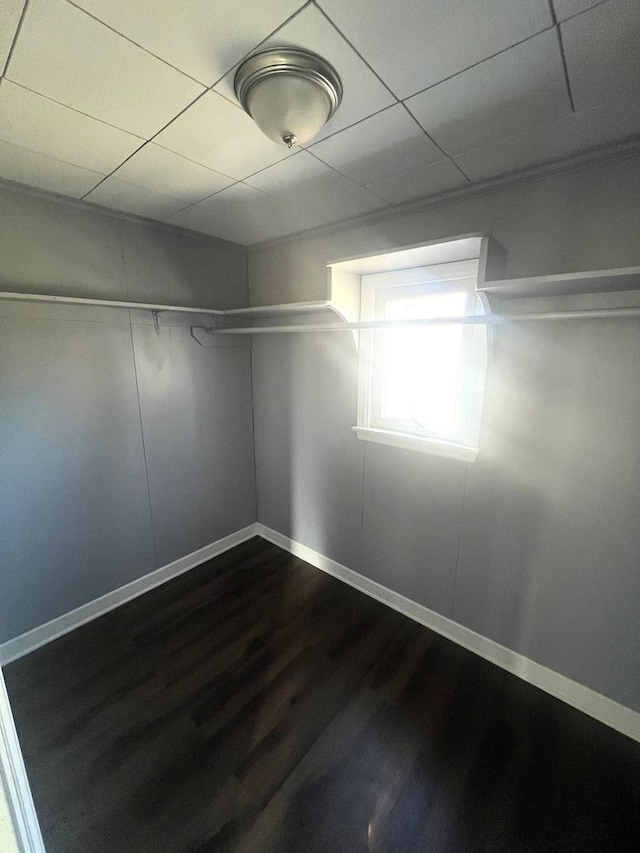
point(566, 284)
point(283, 310)
point(104, 303)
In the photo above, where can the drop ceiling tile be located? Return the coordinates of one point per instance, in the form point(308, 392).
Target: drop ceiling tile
point(298, 213)
point(265, 214)
point(202, 38)
point(420, 183)
point(260, 209)
point(301, 211)
point(602, 52)
point(165, 172)
point(568, 8)
point(120, 195)
point(355, 203)
point(247, 216)
point(68, 56)
point(380, 146)
point(301, 176)
point(602, 125)
point(244, 224)
point(522, 87)
point(36, 170)
point(235, 201)
point(281, 218)
point(47, 127)
point(10, 11)
point(218, 134)
point(417, 44)
point(206, 221)
point(363, 95)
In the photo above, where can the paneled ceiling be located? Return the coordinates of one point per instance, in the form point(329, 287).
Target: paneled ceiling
point(130, 105)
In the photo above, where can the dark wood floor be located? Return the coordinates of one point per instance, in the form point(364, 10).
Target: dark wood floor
point(256, 705)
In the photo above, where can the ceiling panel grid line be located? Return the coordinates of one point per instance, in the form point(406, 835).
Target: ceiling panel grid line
point(459, 35)
point(12, 14)
point(71, 57)
point(355, 49)
point(479, 62)
point(201, 39)
point(123, 165)
point(132, 41)
point(563, 57)
point(132, 106)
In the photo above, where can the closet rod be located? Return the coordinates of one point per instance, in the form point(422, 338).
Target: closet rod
point(473, 320)
point(105, 303)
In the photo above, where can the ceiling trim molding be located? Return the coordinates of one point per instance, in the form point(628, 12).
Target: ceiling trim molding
point(24, 191)
point(627, 148)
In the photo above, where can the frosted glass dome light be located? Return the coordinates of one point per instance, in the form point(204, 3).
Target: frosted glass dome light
point(289, 93)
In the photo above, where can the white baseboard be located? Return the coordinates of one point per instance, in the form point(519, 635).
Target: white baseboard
point(600, 707)
point(13, 775)
point(36, 637)
point(13, 778)
point(12, 770)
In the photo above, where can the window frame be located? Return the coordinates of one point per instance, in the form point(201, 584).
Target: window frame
point(378, 288)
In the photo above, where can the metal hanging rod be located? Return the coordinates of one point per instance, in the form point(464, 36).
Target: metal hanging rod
point(472, 320)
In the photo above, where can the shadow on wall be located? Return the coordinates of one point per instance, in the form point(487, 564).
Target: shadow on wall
point(537, 551)
point(505, 514)
point(326, 457)
point(309, 461)
point(550, 544)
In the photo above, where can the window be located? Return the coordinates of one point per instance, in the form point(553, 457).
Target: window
point(421, 387)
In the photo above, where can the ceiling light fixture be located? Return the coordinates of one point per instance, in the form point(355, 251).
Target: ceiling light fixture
point(289, 93)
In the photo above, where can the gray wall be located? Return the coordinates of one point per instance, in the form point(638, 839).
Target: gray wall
point(583, 219)
point(121, 449)
point(537, 544)
point(53, 247)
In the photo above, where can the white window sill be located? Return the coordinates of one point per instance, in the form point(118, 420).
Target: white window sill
point(435, 446)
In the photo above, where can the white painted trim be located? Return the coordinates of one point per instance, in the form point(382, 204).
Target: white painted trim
point(36, 637)
point(434, 446)
point(12, 296)
point(12, 769)
point(461, 247)
point(627, 148)
point(47, 197)
point(13, 776)
point(600, 707)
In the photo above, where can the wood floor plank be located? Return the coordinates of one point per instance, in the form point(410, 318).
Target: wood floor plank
point(257, 705)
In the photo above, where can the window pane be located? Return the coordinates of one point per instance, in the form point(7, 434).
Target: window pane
point(420, 366)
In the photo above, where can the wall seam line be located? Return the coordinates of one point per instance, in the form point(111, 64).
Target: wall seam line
point(144, 447)
point(253, 429)
point(135, 374)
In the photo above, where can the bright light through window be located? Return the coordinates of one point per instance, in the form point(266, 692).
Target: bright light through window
point(422, 386)
point(421, 366)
